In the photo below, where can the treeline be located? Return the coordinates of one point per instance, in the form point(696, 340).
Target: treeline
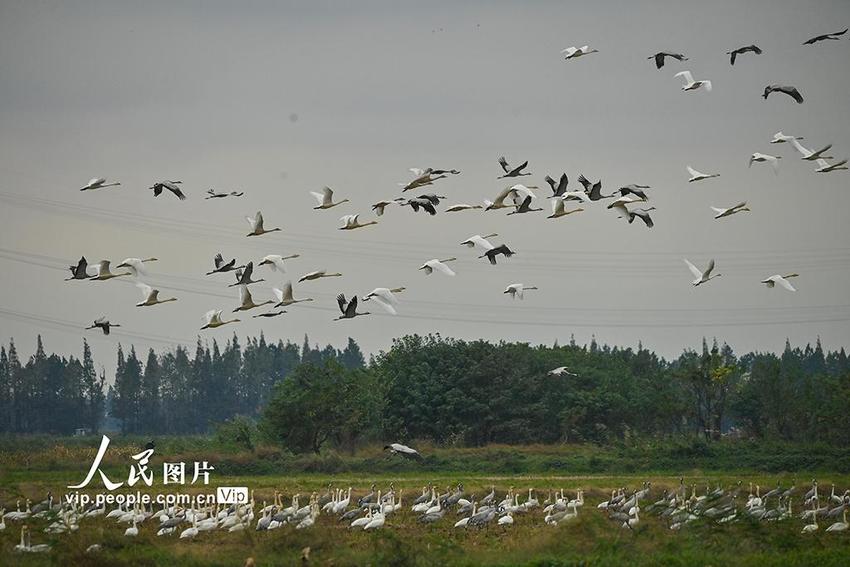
point(172, 392)
point(446, 391)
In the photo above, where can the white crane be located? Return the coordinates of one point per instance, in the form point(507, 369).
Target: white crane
point(516, 290)
point(326, 199)
point(257, 228)
point(780, 138)
point(98, 183)
point(350, 222)
point(403, 450)
point(104, 273)
point(479, 241)
point(781, 280)
point(284, 296)
point(808, 154)
point(517, 194)
point(691, 84)
point(462, 207)
point(576, 52)
point(318, 274)
point(246, 301)
point(701, 277)
point(561, 371)
point(213, 319)
point(825, 167)
point(759, 157)
point(275, 261)
point(558, 209)
point(697, 176)
point(439, 265)
point(720, 213)
point(385, 297)
point(381, 205)
point(150, 296)
point(136, 265)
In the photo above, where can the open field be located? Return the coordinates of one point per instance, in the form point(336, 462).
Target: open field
point(589, 539)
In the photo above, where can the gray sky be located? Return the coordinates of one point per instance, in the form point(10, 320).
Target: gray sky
point(278, 99)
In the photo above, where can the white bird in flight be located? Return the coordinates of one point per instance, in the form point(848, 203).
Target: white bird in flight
point(690, 83)
point(438, 265)
point(462, 207)
point(385, 297)
point(742, 206)
point(326, 199)
point(257, 228)
point(104, 273)
point(213, 319)
point(558, 209)
point(351, 222)
point(576, 52)
point(808, 154)
point(151, 296)
point(825, 167)
point(479, 241)
point(275, 261)
point(702, 277)
point(284, 296)
point(318, 274)
point(246, 301)
point(516, 290)
point(135, 265)
point(759, 157)
point(781, 280)
point(780, 138)
point(98, 183)
point(697, 176)
point(560, 371)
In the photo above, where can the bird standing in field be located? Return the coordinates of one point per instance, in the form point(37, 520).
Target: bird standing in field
point(98, 183)
point(781, 280)
point(741, 50)
point(661, 55)
point(103, 324)
point(348, 308)
point(702, 277)
point(170, 185)
point(512, 171)
point(784, 89)
point(825, 37)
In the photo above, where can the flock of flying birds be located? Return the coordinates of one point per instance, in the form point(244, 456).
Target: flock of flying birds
point(627, 202)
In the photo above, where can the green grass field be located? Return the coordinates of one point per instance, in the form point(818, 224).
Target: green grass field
point(592, 539)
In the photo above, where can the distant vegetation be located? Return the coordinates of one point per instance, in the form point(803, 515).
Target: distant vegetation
point(446, 393)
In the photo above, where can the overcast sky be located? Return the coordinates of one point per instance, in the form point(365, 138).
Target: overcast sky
point(277, 99)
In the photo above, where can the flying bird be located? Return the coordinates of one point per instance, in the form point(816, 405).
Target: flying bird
point(213, 319)
point(80, 271)
point(501, 249)
point(759, 157)
point(326, 199)
point(642, 214)
point(593, 190)
point(150, 296)
point(403, 450)
point(135, 265)
point(171, 186)
point(524, 207)
point(697, 176)
point(318, 274)
point(559, 211)
point(808, 154)
point(98, 183)
point(479, 241)
point(512, 171)
point(423, 177)
point(780, 138)
point(103, 324)
point(741, 50)
point(246, 301)
point(720, 213)
point(661, 55)
point(636, 190)
point(422, 203)
point(221, 266)
point(825, 167)
point(824, 37)
point(385, 297)
point(516, 290)
point(348, 308)
point(269, 314)
point(462, 207)
point(560, 371)
point(439, 265)
point(784, 89)
point(212, 194)
point(351, 222)
point(576, 52)
point(243, 276)
point(702, 277)
point(381, 205)
point(257, 228)
point(558, 189)
point(781, 280)
point(104, 273)
point(284, 296)
point(275, 261)
point(690, 83)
